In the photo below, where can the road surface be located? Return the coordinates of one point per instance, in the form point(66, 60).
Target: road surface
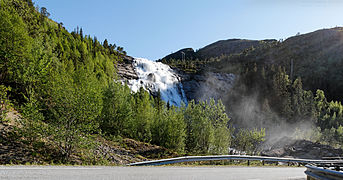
point(101, 172)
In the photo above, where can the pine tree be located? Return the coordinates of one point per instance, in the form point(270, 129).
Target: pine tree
point(143, 116)
point(81, 34)
point(15, 46)
point(105, 44)
point(117, 112)
point(44, 12)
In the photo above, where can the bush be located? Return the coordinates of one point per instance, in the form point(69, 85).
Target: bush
point(4, 102)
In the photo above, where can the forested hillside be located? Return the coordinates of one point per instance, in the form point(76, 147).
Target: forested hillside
point(315, 57)
point(63, 88)
point(292, 88)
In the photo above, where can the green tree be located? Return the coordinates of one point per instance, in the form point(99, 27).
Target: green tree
point(199, 132)
point(4, 101)
point(143, 116)
point(81, 34)
point(75, 103)
point(15, 45)
point(220, 122)
point(33, 126)
point(207, 128)
point(105, 44)
point(248, 140)
point(44, 12)
point(168, 129)
point(117, 112)
point(282, 97)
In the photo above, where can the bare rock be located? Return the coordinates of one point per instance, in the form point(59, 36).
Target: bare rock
point(125, 69)
point(207, 85)
point(301, 149)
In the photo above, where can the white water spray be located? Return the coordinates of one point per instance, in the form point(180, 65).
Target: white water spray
point(156, 76)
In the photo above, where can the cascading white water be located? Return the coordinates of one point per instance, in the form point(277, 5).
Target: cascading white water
point(156, 76)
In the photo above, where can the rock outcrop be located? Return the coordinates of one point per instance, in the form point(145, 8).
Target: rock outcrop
point(186, 53)
point(288, 147)
point(207, 85)
point(125, 69)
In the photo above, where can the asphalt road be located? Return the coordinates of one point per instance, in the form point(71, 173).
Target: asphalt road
point(100, 172)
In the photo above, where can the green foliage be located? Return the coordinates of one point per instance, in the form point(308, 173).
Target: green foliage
point(4, 102)
point(137, 116)
point(291, 103)
point(117, 112)
point(144, 116)
point(206, 128)
point(58, 77)
point(74, 105)
point(248, 140)
point(330, 114)
point(15, 45)
point(168, 129)
point(33, 126)
point(198, 128)
point(280, 87)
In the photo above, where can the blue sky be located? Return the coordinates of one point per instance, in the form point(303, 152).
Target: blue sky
point(155, 28)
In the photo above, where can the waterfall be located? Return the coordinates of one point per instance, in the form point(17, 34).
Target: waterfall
point(156, 76)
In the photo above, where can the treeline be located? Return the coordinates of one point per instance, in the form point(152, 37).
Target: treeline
point(200, 128)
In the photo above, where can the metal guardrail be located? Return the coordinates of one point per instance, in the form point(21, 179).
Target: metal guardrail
point(317, 173)
point(325, 163)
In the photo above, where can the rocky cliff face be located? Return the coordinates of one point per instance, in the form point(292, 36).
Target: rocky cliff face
point(204, 86)
point(125, 69)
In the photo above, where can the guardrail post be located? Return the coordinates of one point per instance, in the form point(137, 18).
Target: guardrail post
point(337, 168)
point(248, 163)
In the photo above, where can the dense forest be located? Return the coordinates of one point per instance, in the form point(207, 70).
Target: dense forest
point(65, 88)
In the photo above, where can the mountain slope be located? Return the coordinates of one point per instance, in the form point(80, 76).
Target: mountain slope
point(216, 49)
point(317, 58)
point(228, 47)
